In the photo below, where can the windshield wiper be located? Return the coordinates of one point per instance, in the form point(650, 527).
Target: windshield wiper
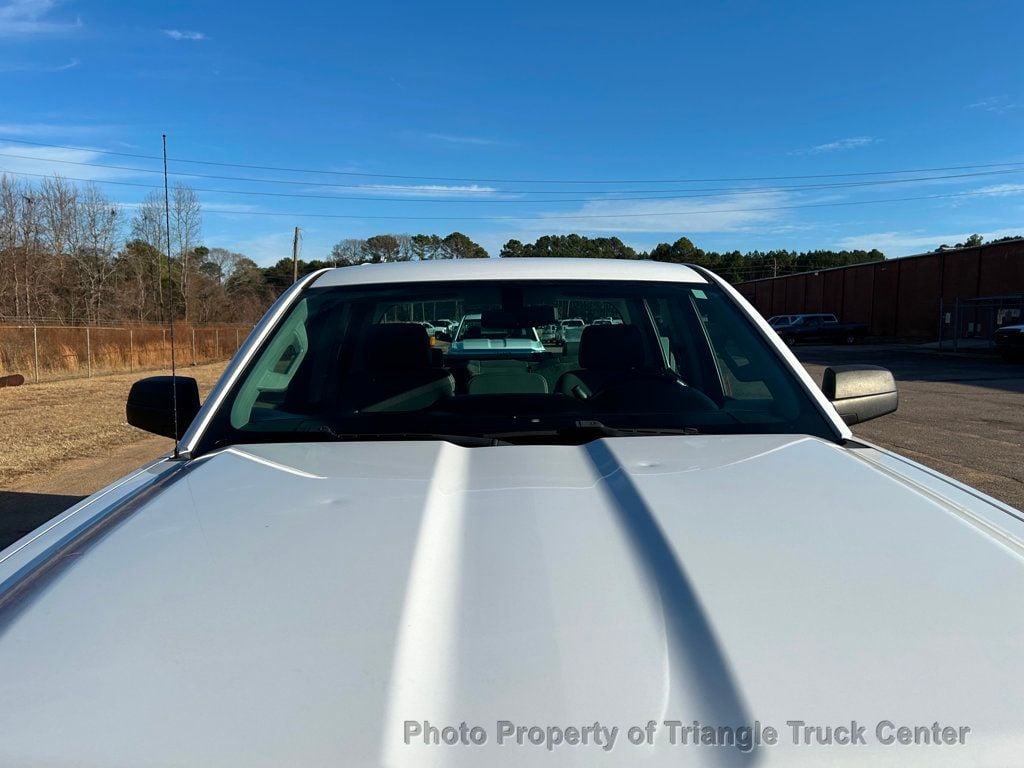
point(596, 428)
point(590, 425)
point(467, 441)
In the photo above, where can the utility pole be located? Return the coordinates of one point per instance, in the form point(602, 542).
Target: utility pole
point(295, 256)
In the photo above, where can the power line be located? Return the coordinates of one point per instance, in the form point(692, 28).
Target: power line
point(700, 193)
point(551, 217)
point(506, 180)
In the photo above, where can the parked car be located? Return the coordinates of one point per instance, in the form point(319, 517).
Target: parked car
point(550, 334)
point(779, 321)
point(818, 327)
point(1010, 341)
point(672, 522)
point(572, 330)
point(782, 321)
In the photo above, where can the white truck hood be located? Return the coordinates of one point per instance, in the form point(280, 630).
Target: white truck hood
point(296, 604)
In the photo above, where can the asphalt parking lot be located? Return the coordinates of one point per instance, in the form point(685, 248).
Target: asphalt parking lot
point(960, 414)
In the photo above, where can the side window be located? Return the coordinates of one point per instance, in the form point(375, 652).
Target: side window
point(684, 346)
point(274, 369)
point(739, 374)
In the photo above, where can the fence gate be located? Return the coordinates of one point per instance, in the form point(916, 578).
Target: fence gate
point(974, 322)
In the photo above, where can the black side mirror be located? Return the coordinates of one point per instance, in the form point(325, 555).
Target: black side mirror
point(860, 392)
point(151, 404)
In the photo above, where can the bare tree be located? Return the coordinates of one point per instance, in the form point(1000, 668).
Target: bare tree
point(405, 249)
point(10, 197)
point(223, 262)
point(98, 227)
point(148, 226)
point(348, 252)
point(148, 222)
point(186, 229)
point(29, 230)
point(63, 256)
point(57, 202)
point(139, 276)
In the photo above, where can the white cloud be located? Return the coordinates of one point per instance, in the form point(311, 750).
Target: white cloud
point(451, 138)
point(406, 190)
point(231, 211)
point(48, 130)
point(45, 161)
point(723, 214)
point(184, 34)
point(996, 104)
point(26, 18)
point(909, 243)
point(429, 190)
point(213, 207)
point(837, 146)
point(999, 190)
point(70, 64)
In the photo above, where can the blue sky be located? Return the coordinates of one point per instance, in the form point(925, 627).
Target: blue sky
point(563, 91)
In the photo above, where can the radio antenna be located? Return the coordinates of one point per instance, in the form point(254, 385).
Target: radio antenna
point(170, 313)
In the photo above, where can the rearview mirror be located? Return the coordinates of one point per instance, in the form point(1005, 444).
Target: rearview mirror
point(860, 392)
point(519, 317)
point(151, 404)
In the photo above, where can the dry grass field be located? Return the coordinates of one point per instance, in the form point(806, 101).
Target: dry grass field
point(44, 425)
point(67, 352)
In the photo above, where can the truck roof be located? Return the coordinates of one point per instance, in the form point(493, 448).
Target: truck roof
point(509, 269)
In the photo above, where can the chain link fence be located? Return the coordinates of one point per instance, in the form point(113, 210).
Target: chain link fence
point(972, 323)
point(50, 353)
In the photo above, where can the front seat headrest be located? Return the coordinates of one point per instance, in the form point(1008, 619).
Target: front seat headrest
point(611, 348)
point(396, 347)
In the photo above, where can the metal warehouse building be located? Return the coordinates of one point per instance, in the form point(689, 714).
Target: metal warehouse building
point(967, 290)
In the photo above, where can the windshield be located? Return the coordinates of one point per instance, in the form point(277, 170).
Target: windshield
point(355, 363)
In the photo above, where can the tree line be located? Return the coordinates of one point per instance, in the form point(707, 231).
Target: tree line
point(70, 254)
point(976, 240)
point(734, 266)
point(379, 249)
